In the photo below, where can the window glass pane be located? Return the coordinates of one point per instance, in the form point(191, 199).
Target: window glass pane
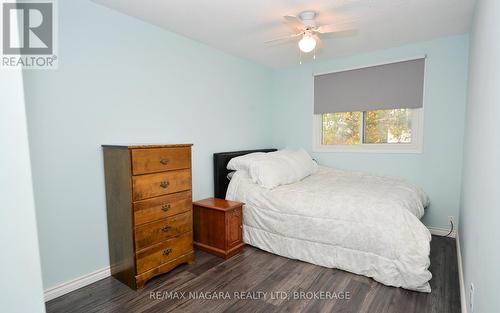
point(388, 126)
point(341, 128)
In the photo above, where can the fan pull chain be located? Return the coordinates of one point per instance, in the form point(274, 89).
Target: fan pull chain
point(300, 57)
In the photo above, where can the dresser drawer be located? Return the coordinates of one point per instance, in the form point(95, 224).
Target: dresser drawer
point(160, 159)
point(154, 209)
point(152, 233)
point(164, 252)
point(152, 185)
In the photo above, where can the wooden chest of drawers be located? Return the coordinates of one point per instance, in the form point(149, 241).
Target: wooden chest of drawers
point(149, 205)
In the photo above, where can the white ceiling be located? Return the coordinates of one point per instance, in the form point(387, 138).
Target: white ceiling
point(241, 27)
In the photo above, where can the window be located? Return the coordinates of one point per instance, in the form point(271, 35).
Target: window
point(394, 130)
point(379, 126)
point(387, 126)
point(374, 108)
point(342, 128)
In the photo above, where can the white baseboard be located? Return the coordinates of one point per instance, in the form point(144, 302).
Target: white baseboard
point(439, 231)
point(461, 281)
point(79, 282)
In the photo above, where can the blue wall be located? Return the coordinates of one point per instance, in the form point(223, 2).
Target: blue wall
point(20, 270)
point(121, 80)
point(480, 214)
point(438, 168)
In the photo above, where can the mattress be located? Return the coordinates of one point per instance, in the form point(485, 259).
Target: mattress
point(362, 223)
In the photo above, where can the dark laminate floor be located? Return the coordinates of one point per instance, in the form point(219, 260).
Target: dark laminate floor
point(256, 270)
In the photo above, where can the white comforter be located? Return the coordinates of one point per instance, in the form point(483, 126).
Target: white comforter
point(357, 222)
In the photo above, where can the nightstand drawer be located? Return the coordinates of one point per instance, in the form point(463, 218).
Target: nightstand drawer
point(160, 159)
point(164, 252)
point(152, 185)
point(152, 233)
point(154, 209)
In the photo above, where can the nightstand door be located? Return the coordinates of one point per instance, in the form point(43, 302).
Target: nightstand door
point(234, 227)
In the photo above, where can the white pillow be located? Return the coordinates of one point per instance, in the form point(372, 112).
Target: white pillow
point(242, 163)
point(230, 175)
point(281, 168)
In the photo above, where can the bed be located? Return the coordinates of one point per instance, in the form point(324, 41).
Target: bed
point(357, 222)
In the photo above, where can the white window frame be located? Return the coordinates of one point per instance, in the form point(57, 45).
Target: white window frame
point(416, 145)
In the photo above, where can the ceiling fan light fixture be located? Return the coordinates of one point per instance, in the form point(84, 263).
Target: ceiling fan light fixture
point(307, 43)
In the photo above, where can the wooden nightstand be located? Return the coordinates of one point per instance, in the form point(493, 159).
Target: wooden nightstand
point(218, 226)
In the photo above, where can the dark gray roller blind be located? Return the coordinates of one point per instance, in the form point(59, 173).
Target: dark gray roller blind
point(389, 86)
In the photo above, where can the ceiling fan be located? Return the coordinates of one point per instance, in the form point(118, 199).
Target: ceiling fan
point(311, 33)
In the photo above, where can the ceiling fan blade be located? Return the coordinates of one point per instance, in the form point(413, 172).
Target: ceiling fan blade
point(294, 22)
point(339, 34)
point(293, 19)
point(284, 38)
point(335, 27)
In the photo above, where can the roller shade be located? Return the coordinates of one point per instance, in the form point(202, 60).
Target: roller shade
point(389, 86)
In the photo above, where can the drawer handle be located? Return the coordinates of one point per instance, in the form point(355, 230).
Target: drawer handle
point(164, 161)
point(166, 228)
point(167, 252)
point(164, 184)
point(165, 207)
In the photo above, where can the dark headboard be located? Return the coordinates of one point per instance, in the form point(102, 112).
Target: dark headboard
point(220, 171)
